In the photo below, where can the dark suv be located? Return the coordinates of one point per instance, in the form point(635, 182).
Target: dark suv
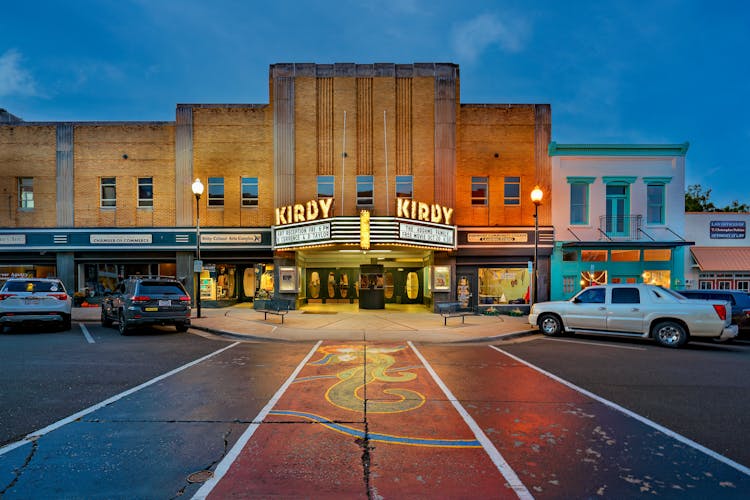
point(147, 300)
point(739, 299)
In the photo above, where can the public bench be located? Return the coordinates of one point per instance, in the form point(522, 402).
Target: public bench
point(453, 310)
point(278, 307)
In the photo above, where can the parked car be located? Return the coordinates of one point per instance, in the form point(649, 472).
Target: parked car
point(739, 299)
point(636, 310)
point(147, 300)
point(34, 300)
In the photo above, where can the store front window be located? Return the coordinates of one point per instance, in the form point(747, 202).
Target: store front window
point(219, 282)
point(25, 271)
point(661, 278)
point(504, 285)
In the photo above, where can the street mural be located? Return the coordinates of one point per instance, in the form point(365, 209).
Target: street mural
point(374, 369)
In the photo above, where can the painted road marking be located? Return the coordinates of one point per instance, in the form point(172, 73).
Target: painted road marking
point(86, 334)
point(228, 460)
point(33, 436)
point(597, 344)
point(502, 465)
point(642, 419)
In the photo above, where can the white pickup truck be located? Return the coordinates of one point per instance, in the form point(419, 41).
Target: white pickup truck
point(636, 310)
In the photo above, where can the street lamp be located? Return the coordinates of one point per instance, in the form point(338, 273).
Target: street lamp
point(198, 191)
point(536, 198)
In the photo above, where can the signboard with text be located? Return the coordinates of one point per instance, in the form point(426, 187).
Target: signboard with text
point(727, 230)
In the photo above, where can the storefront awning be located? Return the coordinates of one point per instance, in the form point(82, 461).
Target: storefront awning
point(722, 258)
point(626, 244)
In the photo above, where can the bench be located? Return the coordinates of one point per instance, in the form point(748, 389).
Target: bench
point(278, 307)
point(453, 310)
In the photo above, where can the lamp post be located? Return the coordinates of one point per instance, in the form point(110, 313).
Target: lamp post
point(198, 191)
point(536, 198)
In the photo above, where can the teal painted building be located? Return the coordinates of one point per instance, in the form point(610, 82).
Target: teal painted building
point(618, 212)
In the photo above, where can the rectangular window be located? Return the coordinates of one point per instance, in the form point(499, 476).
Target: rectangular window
point(365, 195)
point(26, 192)
point(215, 191)
point(657, 277)
point(579, 203)
point(325, 186)
point(626, 255)
point(569, 284)
point(594, 255)
point(145, 192)
point(249, 191)
point(404, 186)
point(503, 284)
point(626, 296)
point(512, 191)
point(659, 254)
point(108, 192)
point(570, 255)
point(655, 204)
point(479, 190)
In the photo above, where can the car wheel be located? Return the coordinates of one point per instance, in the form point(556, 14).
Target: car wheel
point(670, 334)
point(181, 327)
point(550, 325)
point(122, 325)
point(106, 322)
point(66, 323)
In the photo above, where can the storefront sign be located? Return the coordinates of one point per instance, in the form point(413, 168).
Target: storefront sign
point(497, 237)
point(425, 233)
point(299, 234)
point(12, 239)
point(312, 210)
point(231, 238)
point(727, 229)
point(119, 239)
point(417, 210)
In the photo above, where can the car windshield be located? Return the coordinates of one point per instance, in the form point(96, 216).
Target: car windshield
point(33, 286)
point(160, 289)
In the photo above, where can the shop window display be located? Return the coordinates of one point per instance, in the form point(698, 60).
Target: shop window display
point(504, 285)
point(218, 282)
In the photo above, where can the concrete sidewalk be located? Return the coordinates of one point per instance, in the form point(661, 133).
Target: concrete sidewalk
point(346, 322)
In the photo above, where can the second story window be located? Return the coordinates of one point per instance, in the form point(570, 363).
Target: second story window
point(404, 186)
point(365, 196)
point(26, 192)
point(325, 186)
point(145, 192)
point(249, 191)
point(512, 191)
point(479, 191)
point(215, 191)
point(579, 203)
point(655, 204)
point(108, 197)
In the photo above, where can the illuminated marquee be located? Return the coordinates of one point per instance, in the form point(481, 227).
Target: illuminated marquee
point(312, 210)
point(417, 210)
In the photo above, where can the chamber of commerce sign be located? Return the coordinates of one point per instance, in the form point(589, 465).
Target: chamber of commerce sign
point(120, 239)
point(727, 230)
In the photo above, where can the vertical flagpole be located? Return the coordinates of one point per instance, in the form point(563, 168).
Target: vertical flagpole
point(343, 160)
point(387, 186)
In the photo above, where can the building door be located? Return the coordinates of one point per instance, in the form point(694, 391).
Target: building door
point(407, 286)
point(467, 282)
point(617, 210)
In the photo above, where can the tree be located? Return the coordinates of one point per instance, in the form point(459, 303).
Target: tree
point(699, 200)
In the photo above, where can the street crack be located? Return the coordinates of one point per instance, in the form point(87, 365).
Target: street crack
point(17, 472)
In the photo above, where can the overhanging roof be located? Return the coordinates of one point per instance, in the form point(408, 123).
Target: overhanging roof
point(626, 244)
point(722, 258)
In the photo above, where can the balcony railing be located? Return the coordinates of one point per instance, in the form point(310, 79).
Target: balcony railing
point(621, 227)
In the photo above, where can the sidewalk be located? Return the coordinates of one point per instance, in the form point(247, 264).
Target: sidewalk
point(346, 322)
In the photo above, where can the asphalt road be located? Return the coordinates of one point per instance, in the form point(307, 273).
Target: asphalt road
point(298, 419)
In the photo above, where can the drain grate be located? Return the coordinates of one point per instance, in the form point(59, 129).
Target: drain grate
point(200, 477)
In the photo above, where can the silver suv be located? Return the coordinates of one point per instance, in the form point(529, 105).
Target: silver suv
point(34, 300)
point(147, 300)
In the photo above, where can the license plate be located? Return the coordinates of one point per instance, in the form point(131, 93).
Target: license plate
point(151, 309)
point(163, 303)
point(31, 300)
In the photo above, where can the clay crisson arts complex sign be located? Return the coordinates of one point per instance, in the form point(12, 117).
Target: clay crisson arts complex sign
point(416, 224)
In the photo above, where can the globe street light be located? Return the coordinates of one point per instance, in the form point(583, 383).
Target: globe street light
point(198, 191)
point(536, 198)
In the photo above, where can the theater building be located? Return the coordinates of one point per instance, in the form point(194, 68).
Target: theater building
point(359, 183)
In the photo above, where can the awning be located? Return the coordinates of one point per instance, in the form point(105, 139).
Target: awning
point(602, 244)
point(722, 258)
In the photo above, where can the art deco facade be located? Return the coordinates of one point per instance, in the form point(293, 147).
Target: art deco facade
point(356, 182)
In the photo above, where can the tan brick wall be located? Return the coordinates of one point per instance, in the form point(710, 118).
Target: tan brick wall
point(423, 138)
point(28, 151)
point(235, 142)
point(98, 152)
point(482, 132)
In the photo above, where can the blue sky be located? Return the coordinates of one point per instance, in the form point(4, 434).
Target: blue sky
point(613, 71)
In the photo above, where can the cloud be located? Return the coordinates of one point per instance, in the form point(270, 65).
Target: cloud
point(474, 36)
point(14, 80)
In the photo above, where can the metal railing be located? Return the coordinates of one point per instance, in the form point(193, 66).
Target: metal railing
point(621, 227)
